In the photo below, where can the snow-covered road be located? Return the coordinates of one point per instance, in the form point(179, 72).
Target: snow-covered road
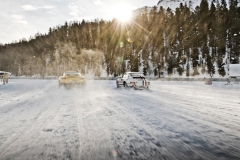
point(172, 120)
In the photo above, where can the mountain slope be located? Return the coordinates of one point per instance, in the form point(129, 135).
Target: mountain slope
point(176, 3)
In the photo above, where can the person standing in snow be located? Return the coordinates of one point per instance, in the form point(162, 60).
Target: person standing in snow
point(5, 78)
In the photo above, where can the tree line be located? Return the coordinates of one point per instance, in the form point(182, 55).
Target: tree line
point(157, 40)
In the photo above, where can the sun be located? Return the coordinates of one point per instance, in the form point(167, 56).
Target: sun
point(121, 11)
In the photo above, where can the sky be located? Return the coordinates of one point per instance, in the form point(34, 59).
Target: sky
point(24, 18)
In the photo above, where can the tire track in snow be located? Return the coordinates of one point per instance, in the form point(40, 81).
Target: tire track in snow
point(38, 126)
point(171, 105)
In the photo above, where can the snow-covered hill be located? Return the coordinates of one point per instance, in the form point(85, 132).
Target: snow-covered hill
point(176, 3)
point(173, 4)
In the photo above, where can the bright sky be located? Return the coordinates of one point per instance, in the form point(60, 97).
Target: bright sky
point(24, 18)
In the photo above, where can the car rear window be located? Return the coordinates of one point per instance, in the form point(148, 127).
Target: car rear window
point(137, 75)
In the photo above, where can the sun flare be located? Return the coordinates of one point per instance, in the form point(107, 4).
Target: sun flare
point(122, 12)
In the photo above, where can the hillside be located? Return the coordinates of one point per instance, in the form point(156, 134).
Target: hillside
point(158, 41)
point(192, 4)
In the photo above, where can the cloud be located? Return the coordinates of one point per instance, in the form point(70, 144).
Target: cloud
point(99, 3)
point(34, 8)
point(28, 7)
point(74, 10)
point(51, 13)
point(48, 7)
point(19, 19)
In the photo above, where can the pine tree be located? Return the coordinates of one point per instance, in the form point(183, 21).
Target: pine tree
point(210, 66)
point(234, 30)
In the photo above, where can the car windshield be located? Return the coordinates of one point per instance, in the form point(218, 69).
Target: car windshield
point(72, 74)
point(120, 80)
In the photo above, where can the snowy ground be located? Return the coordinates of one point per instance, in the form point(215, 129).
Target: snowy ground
point(172, 120)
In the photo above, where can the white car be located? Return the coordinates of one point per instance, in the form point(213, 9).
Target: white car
point(133, 79)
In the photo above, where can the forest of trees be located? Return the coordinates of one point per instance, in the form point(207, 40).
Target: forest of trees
point(158, 39)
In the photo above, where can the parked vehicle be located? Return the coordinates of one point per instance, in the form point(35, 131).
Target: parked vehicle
point(234, 73)
point(4, 76)
point(133, 79)
point(71, 78)
point(207, 81)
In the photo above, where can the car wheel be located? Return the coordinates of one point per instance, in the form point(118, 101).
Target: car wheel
point(125, 84)
point(117, 84)
point(135, 87)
